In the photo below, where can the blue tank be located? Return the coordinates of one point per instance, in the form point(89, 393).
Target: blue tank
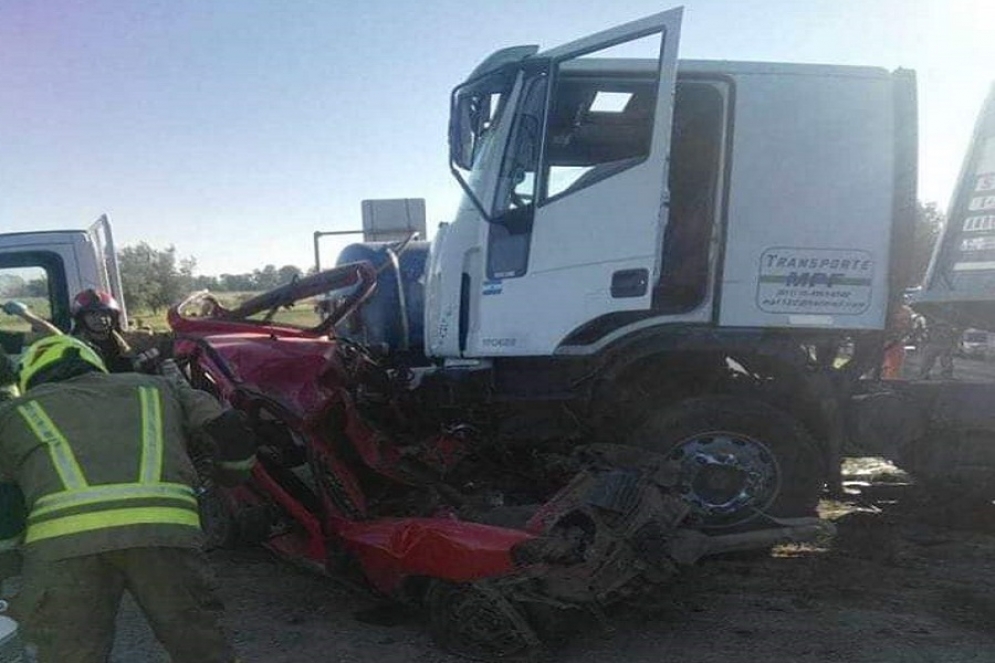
point(379, 321)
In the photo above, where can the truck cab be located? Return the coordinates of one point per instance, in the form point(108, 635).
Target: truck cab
point(609, 194)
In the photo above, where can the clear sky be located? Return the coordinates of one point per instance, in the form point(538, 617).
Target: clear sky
point(233, 129)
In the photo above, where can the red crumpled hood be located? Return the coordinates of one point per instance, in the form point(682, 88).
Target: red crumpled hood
point(460, 551)
point(285, 368)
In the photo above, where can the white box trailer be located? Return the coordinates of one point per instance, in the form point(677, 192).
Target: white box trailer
point(960, 282)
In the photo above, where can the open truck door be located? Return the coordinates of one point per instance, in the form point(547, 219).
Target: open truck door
point(105, 252)
point(579, 207)
point(960, 282)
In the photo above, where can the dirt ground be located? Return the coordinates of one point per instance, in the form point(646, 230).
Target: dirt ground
point(903, 581)
point(906, 580)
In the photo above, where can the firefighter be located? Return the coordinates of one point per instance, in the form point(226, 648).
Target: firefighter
point(109, 490)
point(95, 316)
point(97, 320)
point(12, 511)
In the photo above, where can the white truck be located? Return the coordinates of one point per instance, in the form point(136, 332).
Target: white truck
point(675, 254)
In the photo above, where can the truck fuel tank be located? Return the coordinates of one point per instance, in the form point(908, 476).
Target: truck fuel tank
point(393, 316)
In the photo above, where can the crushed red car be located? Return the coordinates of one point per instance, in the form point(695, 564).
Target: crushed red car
point(497, 540)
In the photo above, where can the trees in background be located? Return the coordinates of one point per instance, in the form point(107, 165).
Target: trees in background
point(12, 285)
point(929, 222)
point(261, 279)
point(155, 279)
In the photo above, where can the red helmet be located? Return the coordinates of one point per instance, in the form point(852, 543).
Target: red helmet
point(94, 301)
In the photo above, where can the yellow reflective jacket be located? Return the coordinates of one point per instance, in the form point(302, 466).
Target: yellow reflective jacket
point(103, 464)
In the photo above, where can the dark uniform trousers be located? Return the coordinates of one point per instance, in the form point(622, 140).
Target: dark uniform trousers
point(77, 600)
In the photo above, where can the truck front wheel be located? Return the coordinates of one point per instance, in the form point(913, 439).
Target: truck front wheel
point(735, 459)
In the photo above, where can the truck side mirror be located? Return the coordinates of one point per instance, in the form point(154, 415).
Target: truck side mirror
point(467, 124)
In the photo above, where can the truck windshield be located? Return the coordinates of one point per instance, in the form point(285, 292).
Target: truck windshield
point(476, 115)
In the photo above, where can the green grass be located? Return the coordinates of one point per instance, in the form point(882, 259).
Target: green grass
point(38, 305)
point(301, 315)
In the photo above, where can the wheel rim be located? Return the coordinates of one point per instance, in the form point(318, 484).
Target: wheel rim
point(726, 477)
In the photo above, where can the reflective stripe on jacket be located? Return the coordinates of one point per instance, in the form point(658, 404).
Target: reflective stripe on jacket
point(82, 508)
point(103, 464)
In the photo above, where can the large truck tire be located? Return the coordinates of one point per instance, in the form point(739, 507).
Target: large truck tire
point(736, 460)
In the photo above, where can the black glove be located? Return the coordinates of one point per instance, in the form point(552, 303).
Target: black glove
point(235, 439)
point(147, 361)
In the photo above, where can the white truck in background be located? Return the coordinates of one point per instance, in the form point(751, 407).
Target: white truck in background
point(48, 268)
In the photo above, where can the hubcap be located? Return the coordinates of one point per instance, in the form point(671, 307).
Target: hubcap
point(726, 476)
